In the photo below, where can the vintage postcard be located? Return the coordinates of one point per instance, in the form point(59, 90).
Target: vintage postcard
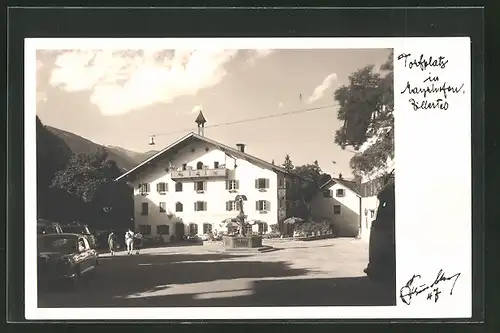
point(256, 178)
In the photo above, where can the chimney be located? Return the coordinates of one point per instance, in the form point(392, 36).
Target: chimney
point(241, 147)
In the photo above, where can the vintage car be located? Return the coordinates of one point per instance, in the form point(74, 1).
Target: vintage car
point(78, 228)
point(382, 251)
point(48, 227)
point(64, 257)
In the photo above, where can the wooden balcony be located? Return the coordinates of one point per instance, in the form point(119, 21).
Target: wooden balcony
point(203, 173)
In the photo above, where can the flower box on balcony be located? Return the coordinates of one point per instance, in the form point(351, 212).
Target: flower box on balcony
point(200, 191)
point(263, 211)
point(262, 189)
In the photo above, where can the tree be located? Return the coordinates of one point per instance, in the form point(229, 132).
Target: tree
point(288, 165)
point(312, 178)
point(366, 108)
point(90, 177)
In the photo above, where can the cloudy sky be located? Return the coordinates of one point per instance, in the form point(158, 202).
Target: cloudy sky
point(120, 98)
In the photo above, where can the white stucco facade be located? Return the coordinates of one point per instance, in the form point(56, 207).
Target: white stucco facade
point(352, 210)
point(370, 204)
point(339, 204)
point(163, 207)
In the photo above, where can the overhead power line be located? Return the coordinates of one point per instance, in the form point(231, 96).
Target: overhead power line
point(250, 119)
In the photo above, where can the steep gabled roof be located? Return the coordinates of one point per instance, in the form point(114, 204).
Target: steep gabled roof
point(192, 136)
point(351, 185)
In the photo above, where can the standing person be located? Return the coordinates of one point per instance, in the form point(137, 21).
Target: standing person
point(137, 241)
point(129, 241)
point(111, 242)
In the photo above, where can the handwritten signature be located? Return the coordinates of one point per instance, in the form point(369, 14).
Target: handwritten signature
point(409, 290)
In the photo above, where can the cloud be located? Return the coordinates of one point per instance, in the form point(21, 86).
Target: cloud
point(258, 54)
point(320, 90)
point(196, 109)
point(124, 80)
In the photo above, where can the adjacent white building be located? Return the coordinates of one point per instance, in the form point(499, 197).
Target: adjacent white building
point(351, 205)
point(190, 186)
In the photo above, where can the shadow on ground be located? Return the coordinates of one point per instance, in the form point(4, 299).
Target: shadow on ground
point(173, 280)
point(348, 291)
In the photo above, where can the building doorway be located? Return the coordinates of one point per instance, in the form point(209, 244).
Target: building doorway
point(179, 230)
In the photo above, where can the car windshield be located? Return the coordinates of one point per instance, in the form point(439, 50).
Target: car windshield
point(46, 229)
point(76, 229)
point(61, 244)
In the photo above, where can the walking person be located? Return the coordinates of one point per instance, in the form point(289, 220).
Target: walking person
point(129, 241)
point(112, 242)
point(137, 241)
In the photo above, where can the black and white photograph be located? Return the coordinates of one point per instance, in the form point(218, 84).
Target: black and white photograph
point(188, 174)
point(215, 177)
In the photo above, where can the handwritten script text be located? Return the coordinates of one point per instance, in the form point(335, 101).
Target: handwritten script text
point(431, 93)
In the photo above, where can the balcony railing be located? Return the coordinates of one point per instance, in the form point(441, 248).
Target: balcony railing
point(203, 173)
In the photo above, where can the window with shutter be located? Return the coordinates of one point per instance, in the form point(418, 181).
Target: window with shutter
point(207, 228)
point(163, 207)
point(144, 188)
point(163, 229)
point(336, 209)
point(193, 228)
point(144, 208)
point(145, 229)
point(340, 193)
point(178, 207)
point(161, 187)
point(262, 183)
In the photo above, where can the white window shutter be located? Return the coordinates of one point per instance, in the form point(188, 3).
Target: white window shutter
point(257, 205)
point(205, 205)
point(257, 183)
point(236, 184)
point(227, 184)
point(204, 186)
point(268, 205)
point(195, 206)
point(267, 183)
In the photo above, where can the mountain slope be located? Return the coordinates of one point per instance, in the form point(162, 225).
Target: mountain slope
point(124, 158)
